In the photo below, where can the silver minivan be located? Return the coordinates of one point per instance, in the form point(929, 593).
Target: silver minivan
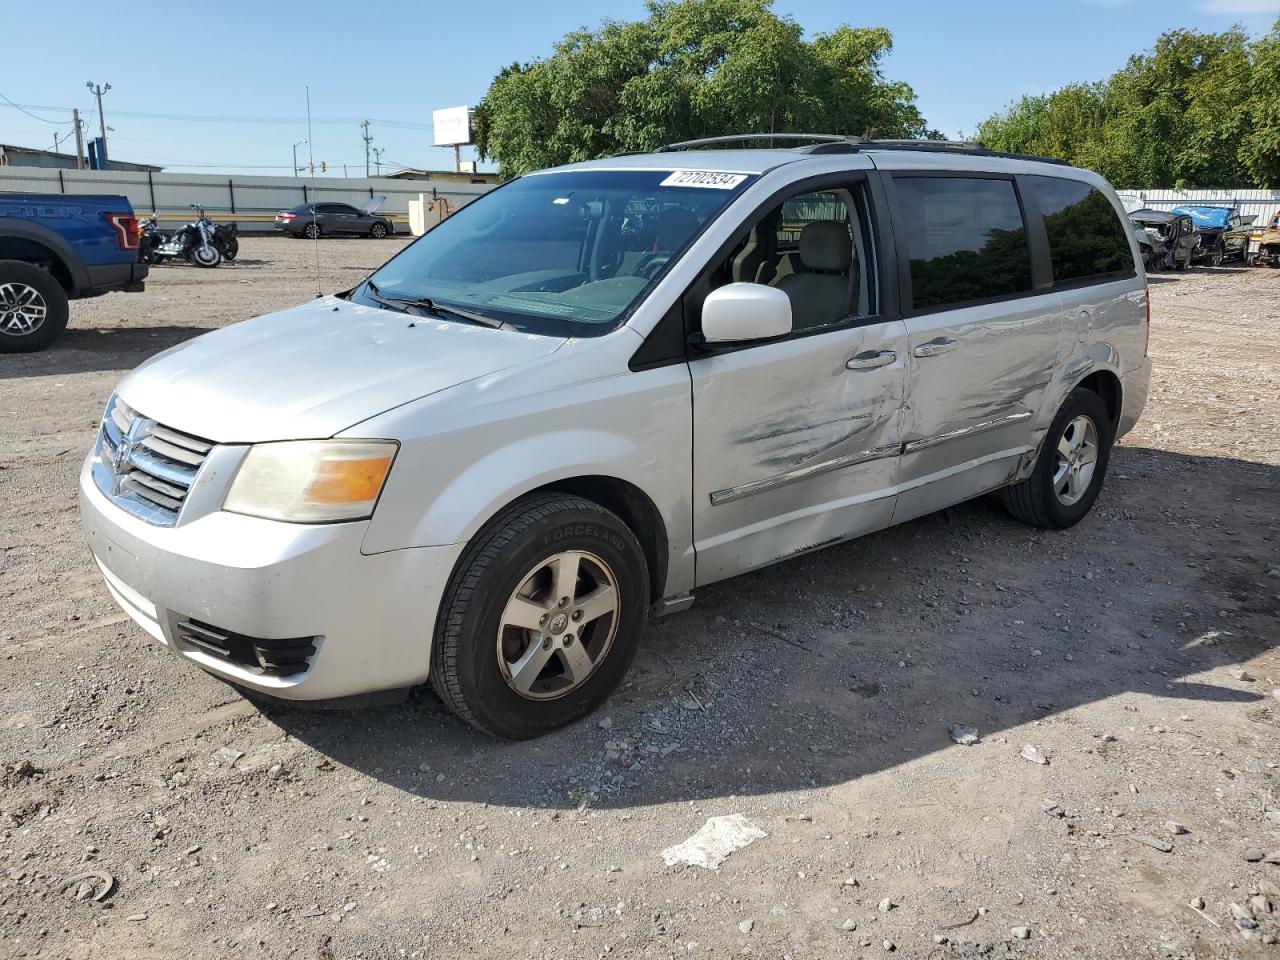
point(600, 387)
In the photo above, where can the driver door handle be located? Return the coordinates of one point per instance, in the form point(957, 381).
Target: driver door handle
point(871, 359)
point(934, 347)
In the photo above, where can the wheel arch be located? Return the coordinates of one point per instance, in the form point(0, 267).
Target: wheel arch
point(631, 504)
point(40, 254)
point(1106, 384)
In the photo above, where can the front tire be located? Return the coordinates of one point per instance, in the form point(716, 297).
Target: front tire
point(206, 257)
point(33, 308)
point(1070, 468)
point(378, 231)
point(542, 617)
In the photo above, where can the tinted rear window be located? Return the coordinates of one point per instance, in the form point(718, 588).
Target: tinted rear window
point(1086, 238)
point(965, 239)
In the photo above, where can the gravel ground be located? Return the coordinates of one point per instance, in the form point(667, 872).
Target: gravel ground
point(1137, 653)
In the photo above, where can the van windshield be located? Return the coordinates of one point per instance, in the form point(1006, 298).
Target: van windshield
point(566, 254)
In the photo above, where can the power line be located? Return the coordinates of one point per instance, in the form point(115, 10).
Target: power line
point(18, 106)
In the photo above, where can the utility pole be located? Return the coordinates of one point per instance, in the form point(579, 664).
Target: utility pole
point(295, 156)
point(98, 91)
point(367, 140)
point(57, 139)
point(75, 119)
point(377, 159)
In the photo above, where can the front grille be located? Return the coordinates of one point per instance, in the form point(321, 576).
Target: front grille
point(144, 466)
point(277, 658)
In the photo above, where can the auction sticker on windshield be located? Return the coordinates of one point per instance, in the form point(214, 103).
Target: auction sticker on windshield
point(703, 178)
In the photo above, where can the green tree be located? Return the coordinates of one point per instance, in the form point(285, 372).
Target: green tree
point(1066, 123)
point(1197, 110)
point(1260, 149)
point(692, 68)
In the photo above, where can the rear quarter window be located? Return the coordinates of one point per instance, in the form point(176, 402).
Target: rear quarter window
point(1087, 241)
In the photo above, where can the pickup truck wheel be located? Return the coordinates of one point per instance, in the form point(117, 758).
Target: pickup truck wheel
point(1071, 466)
point(33, 307)
point(541, 618)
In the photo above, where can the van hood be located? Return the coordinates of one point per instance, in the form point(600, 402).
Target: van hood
point(315, 370)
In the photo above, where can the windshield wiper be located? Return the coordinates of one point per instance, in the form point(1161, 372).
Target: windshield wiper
point(430, 306)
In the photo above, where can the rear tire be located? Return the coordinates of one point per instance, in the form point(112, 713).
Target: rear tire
point(517, 681)
point(1049, 498)
point(231, 249)
point(33, 307)
point(311, 231)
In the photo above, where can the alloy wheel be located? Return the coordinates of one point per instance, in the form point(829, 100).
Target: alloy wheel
point(1077, 457)
point(22, 309)
point(558, 626)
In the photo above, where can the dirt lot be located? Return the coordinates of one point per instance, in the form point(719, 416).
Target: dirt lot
point(813, 698)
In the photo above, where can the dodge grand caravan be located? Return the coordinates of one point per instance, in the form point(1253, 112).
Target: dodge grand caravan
point(600, 387)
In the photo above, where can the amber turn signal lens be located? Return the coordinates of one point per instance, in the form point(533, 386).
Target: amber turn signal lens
point(348, 481)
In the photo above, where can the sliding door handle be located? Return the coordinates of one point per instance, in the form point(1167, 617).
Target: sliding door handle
point(934, 347)
point(871, 359)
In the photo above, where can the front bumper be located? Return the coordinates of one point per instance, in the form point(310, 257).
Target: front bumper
point(372, 617)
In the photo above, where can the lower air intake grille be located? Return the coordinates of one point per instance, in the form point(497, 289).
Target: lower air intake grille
point(277, 658)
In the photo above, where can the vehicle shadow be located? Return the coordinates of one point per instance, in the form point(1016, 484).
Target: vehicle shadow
point(89, 349)
point(850, 661)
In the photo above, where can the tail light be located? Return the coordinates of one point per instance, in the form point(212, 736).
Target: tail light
point(126, 227)
point(286, 217)
point(1146, 343)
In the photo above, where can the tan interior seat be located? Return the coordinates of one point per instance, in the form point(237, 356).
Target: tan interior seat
point(821, 295)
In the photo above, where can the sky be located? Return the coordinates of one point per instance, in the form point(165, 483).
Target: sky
point(223, 88)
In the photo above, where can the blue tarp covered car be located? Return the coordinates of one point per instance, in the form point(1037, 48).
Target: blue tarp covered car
point(1223, 233)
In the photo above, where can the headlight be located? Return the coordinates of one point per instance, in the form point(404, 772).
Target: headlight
point(311, 481)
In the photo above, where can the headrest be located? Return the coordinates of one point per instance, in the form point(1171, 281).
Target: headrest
point(674, 227)
point(826, 245)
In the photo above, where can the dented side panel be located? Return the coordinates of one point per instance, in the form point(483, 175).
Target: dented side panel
point(971, 411)
point(792, 450)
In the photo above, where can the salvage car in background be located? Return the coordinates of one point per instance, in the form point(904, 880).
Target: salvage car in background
point(1173, 237)
point(1223, 233)
point(1264, 244)
point(313, 220)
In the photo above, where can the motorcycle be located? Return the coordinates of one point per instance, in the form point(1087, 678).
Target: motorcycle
point(150, 238)
point(224, 238)
point(197, 242)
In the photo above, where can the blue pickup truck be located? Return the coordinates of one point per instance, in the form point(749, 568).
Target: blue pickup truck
point(56, 248)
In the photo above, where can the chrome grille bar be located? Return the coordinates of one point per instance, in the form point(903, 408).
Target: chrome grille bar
point(145, 467)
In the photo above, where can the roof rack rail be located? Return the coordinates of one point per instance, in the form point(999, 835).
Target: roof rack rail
point(824, 143)
point(745, 137)
point(957, 146)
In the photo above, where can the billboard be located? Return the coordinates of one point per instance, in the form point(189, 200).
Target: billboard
point(452, 126)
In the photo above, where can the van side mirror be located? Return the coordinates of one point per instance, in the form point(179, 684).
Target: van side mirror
point(739, 312)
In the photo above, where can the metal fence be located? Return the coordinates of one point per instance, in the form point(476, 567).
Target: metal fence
point(1263, 204)
point(250, 202)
